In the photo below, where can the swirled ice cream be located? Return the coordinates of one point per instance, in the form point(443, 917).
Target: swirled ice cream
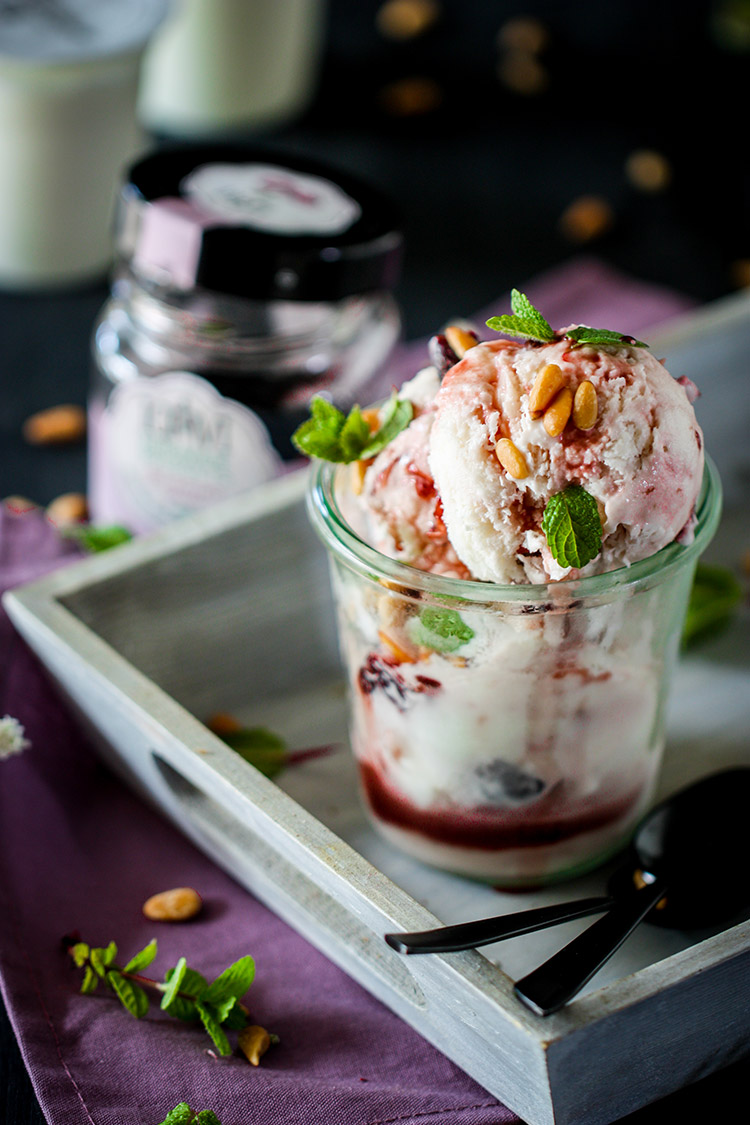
point(513, 730)
point(463, 489)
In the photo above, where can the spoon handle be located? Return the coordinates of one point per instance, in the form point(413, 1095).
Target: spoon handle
point(470, 935)
point(560, 977)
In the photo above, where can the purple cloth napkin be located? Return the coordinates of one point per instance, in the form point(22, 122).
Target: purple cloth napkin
point(583, 290)
point(79, 852)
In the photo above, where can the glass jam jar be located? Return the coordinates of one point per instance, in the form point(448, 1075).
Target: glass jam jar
point(245, 283)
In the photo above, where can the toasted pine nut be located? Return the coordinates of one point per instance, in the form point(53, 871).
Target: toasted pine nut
point(557, 413)
point(399, 653)
point(511, 458)
point(253, 1041)
point(68, 509)
point(19, 505)
point(585, 405)
point(372, 417)
point(55, 426)
point(460, 340)
point(173, 906)
point(548, 382)
point(357, 471)
point(222, 722)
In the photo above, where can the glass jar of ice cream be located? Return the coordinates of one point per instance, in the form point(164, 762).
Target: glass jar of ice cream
point(511, 729)
point(246, 282)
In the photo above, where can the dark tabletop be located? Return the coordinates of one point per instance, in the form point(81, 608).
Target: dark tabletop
point(482, 171)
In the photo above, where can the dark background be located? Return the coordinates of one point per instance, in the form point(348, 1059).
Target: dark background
point(482, 173)
point(483, 167)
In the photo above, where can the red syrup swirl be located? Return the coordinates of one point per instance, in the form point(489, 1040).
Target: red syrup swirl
point(546, 821)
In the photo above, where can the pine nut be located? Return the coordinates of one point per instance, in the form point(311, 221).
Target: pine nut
point(511, 458)
point(585, 406)
point(397, 650)
point(547, 384)
point(222, 722)
point(357, 471)
point(56, 426)
point(557, 413)
point(459, 340)
point(253, 1041)
point(68, 509)
point(372, 417)
point(177, 905)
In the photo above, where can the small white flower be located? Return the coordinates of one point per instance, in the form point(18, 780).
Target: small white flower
point(12, 739)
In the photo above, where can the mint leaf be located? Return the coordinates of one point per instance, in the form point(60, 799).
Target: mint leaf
point(232, 1015)
point(355, 433)
point(96, 539)
point(90, 981)
point(182, 1114)
point(584, 335)
point(101, 958)
point(141, 960)
point(131, 995)
point(443, 630)
point(572, 526)
point(260, 747)
point(526, 321)
point(232, 983)
point(80, 953)
point(715, 595)
point(209, 1020)
point(398, 414)
point(320, 435)
point(330, 435)
point(181, 1009)
point(174, 980)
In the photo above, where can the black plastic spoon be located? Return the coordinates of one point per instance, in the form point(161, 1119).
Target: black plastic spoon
point(684, 845)
point(691, 852)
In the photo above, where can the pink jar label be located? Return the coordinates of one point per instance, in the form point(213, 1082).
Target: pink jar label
point(169, 445)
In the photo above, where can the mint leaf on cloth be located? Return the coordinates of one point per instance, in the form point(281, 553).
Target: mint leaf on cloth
point(572, 526)
point(232, 983)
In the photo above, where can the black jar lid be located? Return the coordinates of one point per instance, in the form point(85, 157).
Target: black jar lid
point(256, 224)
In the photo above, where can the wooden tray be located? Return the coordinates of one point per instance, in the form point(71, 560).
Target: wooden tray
point(230, 610)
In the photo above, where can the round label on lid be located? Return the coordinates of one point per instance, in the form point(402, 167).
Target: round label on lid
point(271, 198)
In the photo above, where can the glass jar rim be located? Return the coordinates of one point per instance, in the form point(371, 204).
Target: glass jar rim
point(340, 538)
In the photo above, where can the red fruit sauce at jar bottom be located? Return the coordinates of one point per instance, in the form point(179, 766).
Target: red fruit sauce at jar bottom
point(546, 821)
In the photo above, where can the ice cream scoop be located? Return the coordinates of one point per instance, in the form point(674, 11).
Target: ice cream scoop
point(678, 862)
point(514, 535)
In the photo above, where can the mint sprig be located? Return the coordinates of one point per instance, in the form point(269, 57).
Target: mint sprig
point(572, 526)
point(331, 435)
point(584, 335)
point(182, 1114)
point(184, 993)
point(260, 747)
point(526, 321)
point(96, 539)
